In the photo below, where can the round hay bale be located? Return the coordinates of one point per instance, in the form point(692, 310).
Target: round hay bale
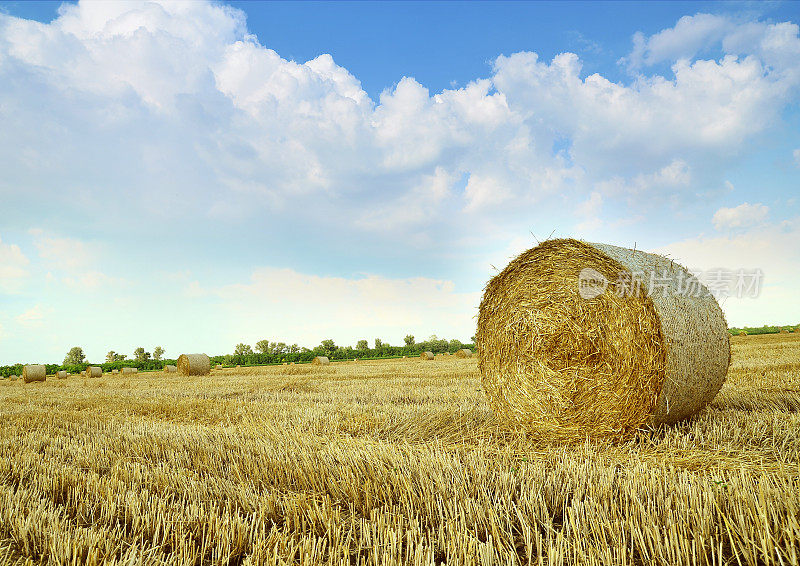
point(218, 366)
point(194, 364)
point(426, 355)
point(321, 361)
point(61, 374)
point(129, 371)
point(114, 372)
point(464, 353)
point(743, 333)
point(170, 369)
point(94, 371)
point(13, 377)
point(577, 341)
point(35, 372)
point(83, 373)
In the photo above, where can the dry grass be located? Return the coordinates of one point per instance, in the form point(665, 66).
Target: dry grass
point(389, 462)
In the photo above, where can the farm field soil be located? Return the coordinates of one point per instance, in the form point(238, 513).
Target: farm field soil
point(389, 462)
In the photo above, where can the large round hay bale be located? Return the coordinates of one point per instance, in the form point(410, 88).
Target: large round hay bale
point(170, 369)
point(129, 370)
point(94, 371)
point(35, 372)
point(595, 340)
point(464, 353)
point(194, 364)
point(321, 361)
point(743, 333)
point(426, 355)
point(61, 374)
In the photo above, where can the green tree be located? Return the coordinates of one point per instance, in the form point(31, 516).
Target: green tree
point(362, 345)
point(328, 347)
point(409, 340)
point(280, 348)
point(158, 351)
point(74, 356)
point(262, 346)
point(294, 348)
point(111, 356)
point(242, 350)
point(378, 343)
point(140, 355)
point(455, 345)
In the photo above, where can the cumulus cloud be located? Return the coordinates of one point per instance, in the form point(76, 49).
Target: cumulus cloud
point(122, 80)
point(743, 216)
point(13, 268)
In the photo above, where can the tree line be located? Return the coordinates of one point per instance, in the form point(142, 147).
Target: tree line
point(266, 352)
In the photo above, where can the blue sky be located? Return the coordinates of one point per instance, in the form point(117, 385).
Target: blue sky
point(194, 175)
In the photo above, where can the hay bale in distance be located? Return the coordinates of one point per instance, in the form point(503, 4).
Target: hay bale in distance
point(194, 364)
point(114, 372)
point(61, 374)
point(129, 371)
point(12, 377)
point(464, 353)
point(94, 371)
point(34, 372)
point(573, 345)
point(170, 369)
point(743, 333)
point(426, 355)
point(219, 366)
point(321, 361)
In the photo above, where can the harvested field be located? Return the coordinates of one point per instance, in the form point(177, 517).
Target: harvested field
point(389, 462)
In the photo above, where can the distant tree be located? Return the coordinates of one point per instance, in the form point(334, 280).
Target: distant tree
point(75, 356)
point(280, 348)
point(409, 339)
point(328, 347)
point(242, 350)
point(158, 351)
point(455, 345)
point(362, 345)
point(111, 357)
point(378, 343)
point(294, 348)
point(304, 350)
point(263, 346)
point(473, 339)
point(140, 355)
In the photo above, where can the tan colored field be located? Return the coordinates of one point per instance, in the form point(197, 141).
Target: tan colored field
point(389, 462)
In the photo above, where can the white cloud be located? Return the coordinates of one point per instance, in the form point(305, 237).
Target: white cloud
point(743, 216)
point(413, 208)
point(139, 79)
point(33, 317)
point(307, 308)
point(13, 268)
point(68, 254)
point(796, 154)
point(771, 248)
point(690, 35)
